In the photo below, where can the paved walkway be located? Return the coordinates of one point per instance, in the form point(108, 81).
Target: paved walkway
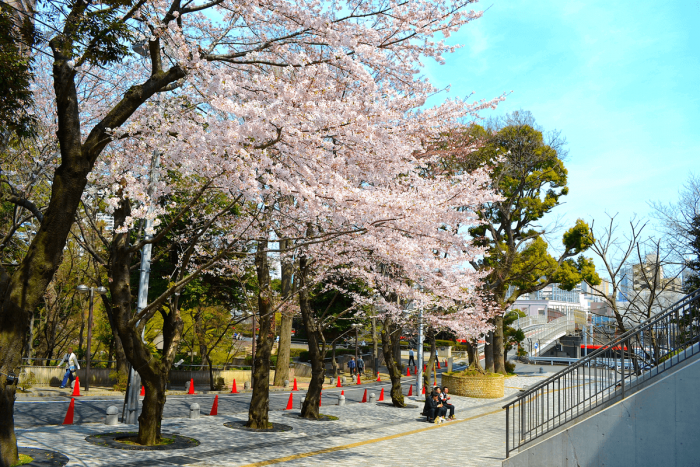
point(366, 434)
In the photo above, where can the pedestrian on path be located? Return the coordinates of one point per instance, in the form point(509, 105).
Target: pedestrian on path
point(352, 366)
point(71, 362)
point(410, 357)
point(360, 366)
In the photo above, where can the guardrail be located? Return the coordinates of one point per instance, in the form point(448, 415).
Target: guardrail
point(606, 374)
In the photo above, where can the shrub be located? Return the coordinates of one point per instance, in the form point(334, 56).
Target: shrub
point(219, 384)
point(121, 380)
point(510, 367)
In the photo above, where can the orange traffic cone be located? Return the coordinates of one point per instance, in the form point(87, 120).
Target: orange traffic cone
point(410, 391)
point(364, 398)
point(295, 388)
point(215, 407)
point(290, 404)
point(381, 395)
point(69, 415)
point(379, 378)
point(434, 383)
point(76, 388)
point(359, 381)
point(445, 363)
point(234, 390)
point(319, 398)
point(143, 391)
point(415, 370)
point(339, 385)
point(438, 363)
point(423, 391)
point(425, 368)
point(408, 371)
point(191, 391)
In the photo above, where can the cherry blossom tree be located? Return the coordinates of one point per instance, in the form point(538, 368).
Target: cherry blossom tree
point(276, 98)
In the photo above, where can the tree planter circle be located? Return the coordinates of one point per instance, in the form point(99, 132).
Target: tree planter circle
point(44, 457)
point(111, 440)
point(389, 404)
point(323, 418)
point(276, 427)
point(486, 387)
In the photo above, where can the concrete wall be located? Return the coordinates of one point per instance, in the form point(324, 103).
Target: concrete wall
point(657, 426)
point(52, 376)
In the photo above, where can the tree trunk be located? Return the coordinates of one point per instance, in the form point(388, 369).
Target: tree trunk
point(8, 442)
point(260, 401)
point(153, 371)
point(472, 353)
point(430, 334)
point(285, 344)
point(499, 353)
point(396, 343)
point(152, 409)
point(390, 334)
point(375, 350)
point(334, 363)
point(316, 345)
point(488, 352)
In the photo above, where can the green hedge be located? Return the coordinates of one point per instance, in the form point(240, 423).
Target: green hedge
point(444, 343)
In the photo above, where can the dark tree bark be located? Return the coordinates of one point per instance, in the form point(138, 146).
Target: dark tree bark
point(428, 375)
point(260, 402)
point(499, 353)
point(334, 363)
point(488, 353)
point(317, 347)
point(285, 344)
point(473, 354)
point(391, 334)
point(153, 371)
point(21, 293)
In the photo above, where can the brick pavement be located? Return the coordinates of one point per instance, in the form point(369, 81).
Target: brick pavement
point(366, 434)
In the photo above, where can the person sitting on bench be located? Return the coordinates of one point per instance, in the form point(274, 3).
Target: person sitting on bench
point(434, 409)
point(444, 398)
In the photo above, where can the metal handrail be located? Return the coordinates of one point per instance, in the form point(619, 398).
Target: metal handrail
point(643, 352)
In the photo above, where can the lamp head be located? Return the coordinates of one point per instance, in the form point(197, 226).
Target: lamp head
point(83, 288)
point(101, 290)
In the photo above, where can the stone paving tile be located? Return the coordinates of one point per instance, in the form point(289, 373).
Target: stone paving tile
point(475, 442)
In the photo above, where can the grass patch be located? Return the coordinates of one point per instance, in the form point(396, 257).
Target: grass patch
point(329, 417)
point(131, 441)
point(23, 459)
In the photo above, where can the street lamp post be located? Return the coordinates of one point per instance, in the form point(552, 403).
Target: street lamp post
point(90, 290)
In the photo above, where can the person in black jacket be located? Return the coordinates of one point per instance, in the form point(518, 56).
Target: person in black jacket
point(434, 409)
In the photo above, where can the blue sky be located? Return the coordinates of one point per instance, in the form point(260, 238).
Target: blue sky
point(621, 80)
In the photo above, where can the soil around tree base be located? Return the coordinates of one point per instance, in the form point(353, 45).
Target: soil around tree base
point(389, 404)
point(110, 440)
point(276, 427)
point(323, 418)
point(44, 457)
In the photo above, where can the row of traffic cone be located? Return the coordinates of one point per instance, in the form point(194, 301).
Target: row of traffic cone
point(68, 420)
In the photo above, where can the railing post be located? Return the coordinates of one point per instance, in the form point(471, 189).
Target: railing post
point(507, 432)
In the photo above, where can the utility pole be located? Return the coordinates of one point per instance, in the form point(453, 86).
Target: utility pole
point(134, 387)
